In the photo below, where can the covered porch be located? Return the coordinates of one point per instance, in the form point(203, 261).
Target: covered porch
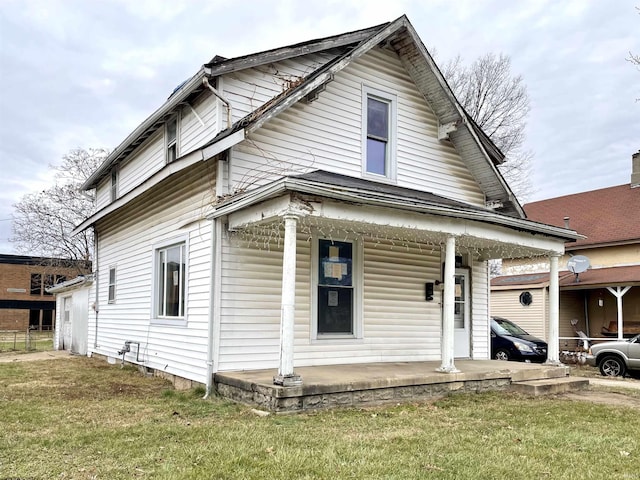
point(373, 222)
point(376, 383)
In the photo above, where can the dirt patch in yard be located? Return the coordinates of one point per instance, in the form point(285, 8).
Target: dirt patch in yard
point(605, 398)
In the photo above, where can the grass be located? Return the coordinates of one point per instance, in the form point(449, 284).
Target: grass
point(81, 418)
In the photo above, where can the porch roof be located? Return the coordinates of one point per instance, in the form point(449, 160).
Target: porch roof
point(368, 193)
point(592, 278)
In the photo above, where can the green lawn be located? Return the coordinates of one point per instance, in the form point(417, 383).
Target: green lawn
point(80, 418)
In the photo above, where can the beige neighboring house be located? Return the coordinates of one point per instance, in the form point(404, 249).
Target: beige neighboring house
point(604, 300)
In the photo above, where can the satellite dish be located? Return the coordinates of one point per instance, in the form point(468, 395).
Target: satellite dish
point(578, 264)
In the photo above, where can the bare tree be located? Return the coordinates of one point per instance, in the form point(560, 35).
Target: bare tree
point(634, 58)
point(499, 104)
point(43, 221)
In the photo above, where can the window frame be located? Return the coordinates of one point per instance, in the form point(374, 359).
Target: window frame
point(115, 183)
point(156, 317)
point(111, 285)
point(171, 144)
point(357, 285)
point(32, 276)
point(391, 99)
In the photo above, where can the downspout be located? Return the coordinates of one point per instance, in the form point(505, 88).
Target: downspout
point(212, 283)
point(96, 307)
point(214, 300)
point(205, 81)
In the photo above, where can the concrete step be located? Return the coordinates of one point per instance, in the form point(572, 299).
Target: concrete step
point(550, 386)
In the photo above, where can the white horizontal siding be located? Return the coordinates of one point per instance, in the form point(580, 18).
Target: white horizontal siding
point(398, 324)
point(532, 318)
point(326, 134)
point(479, 311)
point(142, 163)
point(127, 241)
point(249, 89)
point(193, 133)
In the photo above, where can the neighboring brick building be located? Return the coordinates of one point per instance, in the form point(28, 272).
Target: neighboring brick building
point(23, 299)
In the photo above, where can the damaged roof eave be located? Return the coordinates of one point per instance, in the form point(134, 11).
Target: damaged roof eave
point(292, 184)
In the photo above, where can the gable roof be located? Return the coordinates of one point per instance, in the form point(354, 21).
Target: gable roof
point(478, 151)
point(607, 216)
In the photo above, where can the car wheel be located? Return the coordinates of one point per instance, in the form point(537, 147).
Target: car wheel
point(612, 366)
point(502, 354)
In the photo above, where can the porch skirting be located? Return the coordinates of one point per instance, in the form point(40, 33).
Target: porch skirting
point(374, 383)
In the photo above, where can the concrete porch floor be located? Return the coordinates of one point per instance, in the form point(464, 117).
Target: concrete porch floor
point(375, 383)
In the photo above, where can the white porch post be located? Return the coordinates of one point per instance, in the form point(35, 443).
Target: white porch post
point(619, 293)
point(286, 376)
point(553, 352)
point(448, 304)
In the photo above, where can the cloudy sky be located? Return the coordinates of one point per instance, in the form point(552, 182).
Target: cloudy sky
point(84, 73)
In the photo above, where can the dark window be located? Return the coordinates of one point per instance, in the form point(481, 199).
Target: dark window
point(114, 184)
point(36, 284)
point(34, 319)
point(172, 136)
point(48, 283)
point(526, 299)
point(335, 287)
point(112, 285)
point(171, 281)
point(377, 136)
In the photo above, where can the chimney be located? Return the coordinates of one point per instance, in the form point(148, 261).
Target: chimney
point(566, 222)
point(635, 169)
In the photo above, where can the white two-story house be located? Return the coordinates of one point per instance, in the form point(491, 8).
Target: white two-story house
point(323, 203)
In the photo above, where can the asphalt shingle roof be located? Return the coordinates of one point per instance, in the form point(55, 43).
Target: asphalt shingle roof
point(608, 215)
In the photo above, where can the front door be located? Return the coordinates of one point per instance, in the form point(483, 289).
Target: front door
point(462, 317)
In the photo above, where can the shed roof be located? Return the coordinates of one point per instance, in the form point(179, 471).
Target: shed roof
point(605, 216)
point(594, 277)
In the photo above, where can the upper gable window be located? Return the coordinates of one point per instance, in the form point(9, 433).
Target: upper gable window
point(379, 133)
point(114, 184)
point(172, 139)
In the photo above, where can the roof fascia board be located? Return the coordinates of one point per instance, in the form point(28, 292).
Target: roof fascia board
point(306, 87)
point(464, 116)
point(284, 53)
point(172, 102)
point(172, 168)
point(383, 200)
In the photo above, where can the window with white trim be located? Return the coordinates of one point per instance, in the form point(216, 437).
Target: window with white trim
point(336, 289)
point(112, 285)
point(170, 281)
point(379, 129)
point(172, 139)
point(114, 183)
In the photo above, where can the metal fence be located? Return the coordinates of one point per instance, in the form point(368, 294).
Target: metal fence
point(26, 340)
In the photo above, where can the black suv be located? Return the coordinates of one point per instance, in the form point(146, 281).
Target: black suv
point(510, 342)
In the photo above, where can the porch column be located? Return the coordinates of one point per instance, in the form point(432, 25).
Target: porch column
point(553, 351)
point(619, 293)
point(286, 376)
point(448, 305)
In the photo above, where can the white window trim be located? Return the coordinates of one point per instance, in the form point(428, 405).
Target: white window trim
point(115, 282)
point(175, 117)
point(155, 318)
point(114, 189)
point(392, 146)
point(358, 284)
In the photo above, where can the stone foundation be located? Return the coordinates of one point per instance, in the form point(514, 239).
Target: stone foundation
point(278, 400)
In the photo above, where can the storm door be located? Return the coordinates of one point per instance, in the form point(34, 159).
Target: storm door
point(462, 316)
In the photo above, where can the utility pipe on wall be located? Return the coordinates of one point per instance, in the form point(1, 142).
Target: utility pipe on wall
point(205, 81)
